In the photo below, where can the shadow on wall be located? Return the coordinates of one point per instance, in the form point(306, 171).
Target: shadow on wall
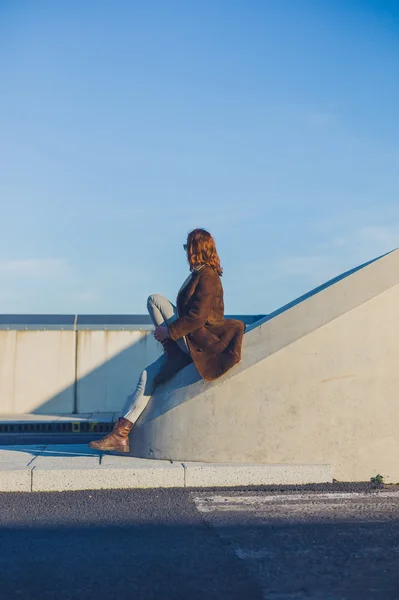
point(51, 368)
point(105, 387)
point(64, 372)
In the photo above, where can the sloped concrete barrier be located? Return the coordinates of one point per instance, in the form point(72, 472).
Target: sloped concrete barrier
point(318, 383)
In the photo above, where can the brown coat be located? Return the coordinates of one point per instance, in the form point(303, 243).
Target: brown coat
point(214, 342)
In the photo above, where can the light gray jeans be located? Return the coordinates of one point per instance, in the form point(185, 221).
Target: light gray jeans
point(161, 312)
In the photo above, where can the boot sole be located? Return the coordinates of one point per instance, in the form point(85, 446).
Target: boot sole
point(123, 449)
point(120, 449)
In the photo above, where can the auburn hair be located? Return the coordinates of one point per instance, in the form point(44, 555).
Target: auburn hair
point(201, 250)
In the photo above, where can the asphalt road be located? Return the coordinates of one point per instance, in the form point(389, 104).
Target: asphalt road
point(178, 544)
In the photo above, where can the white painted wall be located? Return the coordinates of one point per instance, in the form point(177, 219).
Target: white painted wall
point(38, 369)
point(37, 372)
point(109, 364)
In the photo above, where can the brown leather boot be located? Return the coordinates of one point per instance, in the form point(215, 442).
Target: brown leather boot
point(117, 440)
point(176, 360)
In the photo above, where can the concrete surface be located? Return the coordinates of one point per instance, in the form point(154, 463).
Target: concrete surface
point(37, 371)
point(41, 371)
point(113, 472)
point(59, 468)
point(53, 364)
point(178, 544)
point(108, 366)
point(16, 469)
point(15, 478)
point(226, 475)
point(317, 385)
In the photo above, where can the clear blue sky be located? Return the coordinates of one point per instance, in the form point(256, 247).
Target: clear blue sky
point(123, 124)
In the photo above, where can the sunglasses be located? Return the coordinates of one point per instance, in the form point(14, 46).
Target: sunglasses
point(185, 247)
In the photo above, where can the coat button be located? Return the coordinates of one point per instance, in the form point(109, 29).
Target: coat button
point(199, 350)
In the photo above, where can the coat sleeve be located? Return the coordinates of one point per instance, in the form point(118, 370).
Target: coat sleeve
point(200, 306)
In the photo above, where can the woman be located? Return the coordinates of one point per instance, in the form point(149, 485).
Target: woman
point(194, 331)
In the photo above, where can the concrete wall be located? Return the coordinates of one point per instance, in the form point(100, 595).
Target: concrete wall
point(47, 372)
point(109, 364)
point(329, 398)
point(37, 371)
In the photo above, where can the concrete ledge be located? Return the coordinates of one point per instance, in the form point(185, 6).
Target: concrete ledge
point(16, 467)
point(77, 467)
point(114, 472)
point(15, 479)
point(230, 475)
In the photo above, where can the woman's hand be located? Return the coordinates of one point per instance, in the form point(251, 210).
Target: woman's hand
point(161, 334)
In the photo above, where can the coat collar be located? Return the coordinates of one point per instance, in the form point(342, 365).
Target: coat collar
point(190, 284)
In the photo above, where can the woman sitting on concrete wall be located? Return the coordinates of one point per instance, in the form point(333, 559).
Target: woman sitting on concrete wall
point(193, 331)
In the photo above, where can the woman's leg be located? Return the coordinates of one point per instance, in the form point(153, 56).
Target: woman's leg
point(163, 312)
point(118, 439)
point(136, 402)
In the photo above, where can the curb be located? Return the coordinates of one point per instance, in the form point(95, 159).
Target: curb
point(77, 468)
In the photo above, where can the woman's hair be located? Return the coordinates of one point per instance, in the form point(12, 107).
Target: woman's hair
point(201, 250)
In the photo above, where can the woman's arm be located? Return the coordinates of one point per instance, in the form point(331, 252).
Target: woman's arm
point(201, 304)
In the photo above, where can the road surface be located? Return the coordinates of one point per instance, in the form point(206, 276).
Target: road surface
point(178, 544)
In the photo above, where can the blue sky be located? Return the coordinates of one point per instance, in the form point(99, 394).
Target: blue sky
point(125, 124)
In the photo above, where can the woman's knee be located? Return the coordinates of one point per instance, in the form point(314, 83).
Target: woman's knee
point(155, 300)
